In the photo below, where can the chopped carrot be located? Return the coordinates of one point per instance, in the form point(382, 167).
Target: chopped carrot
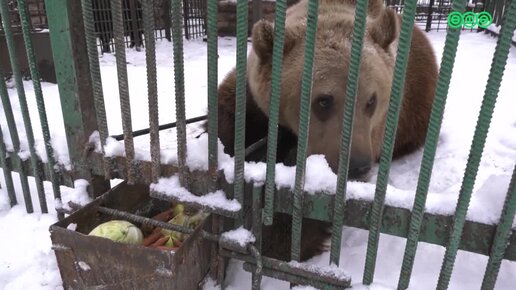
point(152, 238)
point(160, 241)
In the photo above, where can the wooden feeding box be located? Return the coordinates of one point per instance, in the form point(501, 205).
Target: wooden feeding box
point(87, 262)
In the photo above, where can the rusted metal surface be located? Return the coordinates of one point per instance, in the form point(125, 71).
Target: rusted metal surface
point(87, 262)
point(282, 270)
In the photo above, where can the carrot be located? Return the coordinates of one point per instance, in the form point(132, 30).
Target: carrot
point(160, 241)
point(178, 242)
point(164, 216)
point(152, 238)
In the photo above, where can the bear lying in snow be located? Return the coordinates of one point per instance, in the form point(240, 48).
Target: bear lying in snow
point(331, 64)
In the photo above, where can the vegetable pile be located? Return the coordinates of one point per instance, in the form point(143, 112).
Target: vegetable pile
point(155, 237)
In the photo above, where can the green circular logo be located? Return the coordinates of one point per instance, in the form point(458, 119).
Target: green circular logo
point(455, 19)
point(470, 20)
point(484, 19)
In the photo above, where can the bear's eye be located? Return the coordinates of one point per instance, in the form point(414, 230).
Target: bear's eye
point(325, 101)
point(322, 107)
point(371, 105)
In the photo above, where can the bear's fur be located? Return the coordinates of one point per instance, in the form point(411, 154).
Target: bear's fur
point(331, 64)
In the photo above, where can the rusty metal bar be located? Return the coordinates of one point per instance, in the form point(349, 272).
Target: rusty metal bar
point(287, 271)
point(179, 86)
point(152, 86)
point(123, 87)
point(96, 79)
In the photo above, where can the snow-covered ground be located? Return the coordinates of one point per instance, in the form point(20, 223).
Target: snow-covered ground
point(27, 261)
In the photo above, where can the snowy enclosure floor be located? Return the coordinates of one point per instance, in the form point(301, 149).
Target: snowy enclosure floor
point(27, 262)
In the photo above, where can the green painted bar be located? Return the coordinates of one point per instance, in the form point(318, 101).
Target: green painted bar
point(272, 137)
point(36, 163)
point(212, 90)
point(6, 168)
point(503, 233)
point(179, 86)
point(96, 79)
point(347, 129)
point(477, 147)
point(396, 97)
point(152, 86)
point(241, 95)
point(432, 137)
point(123, 86)
point(24, 16)
point(70, 56)
point(304, 121)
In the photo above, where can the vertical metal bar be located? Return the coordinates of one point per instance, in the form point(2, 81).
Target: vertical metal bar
point(7, 169)
point(429, 17)
point(6, 102)
point(123, 86)
point(257, 229)
point(347, 129)
point(179, 85)
point(304, 121)
point(477, 146)
point(432, 137)
point(272, 136)
point(503, 233)
point(36, 163)
point(152, 87)
point(241, 95)
point(212, 90)
point(96, 80)
point(75, 91)
point(186, 16)
point(396, 98)
point(24, 16)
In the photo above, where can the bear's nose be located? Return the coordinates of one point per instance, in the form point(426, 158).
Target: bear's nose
point(359, 166)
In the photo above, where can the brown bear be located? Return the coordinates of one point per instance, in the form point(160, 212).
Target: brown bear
point(331, 64)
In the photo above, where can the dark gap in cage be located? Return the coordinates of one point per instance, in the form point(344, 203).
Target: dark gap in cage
point(193, 13)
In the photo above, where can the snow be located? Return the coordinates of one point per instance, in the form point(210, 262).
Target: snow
point(30, 263)
point(241, 236)
point(331, 271)
point(171, 186)
point(78, 195)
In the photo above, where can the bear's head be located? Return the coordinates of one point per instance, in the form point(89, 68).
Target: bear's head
point(330, 73)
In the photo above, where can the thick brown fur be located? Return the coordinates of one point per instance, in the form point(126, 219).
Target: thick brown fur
point(331, 64)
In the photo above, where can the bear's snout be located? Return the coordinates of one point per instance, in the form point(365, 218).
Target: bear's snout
point(359, 166)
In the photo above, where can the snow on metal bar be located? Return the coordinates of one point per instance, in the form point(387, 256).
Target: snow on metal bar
point(170, 189)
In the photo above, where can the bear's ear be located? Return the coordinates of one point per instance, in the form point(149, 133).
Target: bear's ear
point(263, 39)
point(384, 29)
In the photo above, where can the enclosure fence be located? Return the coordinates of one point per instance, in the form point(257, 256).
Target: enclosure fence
point(72, 32)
